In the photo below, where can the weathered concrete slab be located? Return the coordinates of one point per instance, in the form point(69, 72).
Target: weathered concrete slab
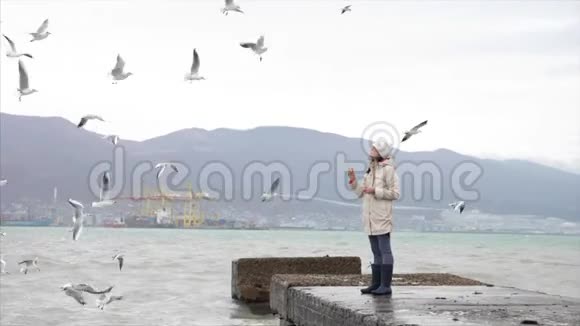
point(251, 276)
point(414, 279)
point(428, 305)
point(281, 283)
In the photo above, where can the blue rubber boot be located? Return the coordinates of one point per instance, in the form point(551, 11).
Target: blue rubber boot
point(376, 282)
point(386, 279)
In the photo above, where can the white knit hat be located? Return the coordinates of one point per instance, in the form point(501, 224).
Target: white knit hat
point(382, 147)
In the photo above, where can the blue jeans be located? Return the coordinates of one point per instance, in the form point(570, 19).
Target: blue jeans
point(381, 247)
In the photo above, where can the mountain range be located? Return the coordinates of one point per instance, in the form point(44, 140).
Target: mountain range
point(39, 153)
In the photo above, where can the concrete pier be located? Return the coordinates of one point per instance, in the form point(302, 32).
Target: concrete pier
point(421, 305)
point(282, 283)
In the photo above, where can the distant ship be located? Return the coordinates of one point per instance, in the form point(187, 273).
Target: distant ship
point(115, 223)
point(161, 219)
point(140, 221)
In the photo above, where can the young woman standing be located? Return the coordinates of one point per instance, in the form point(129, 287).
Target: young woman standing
point(378, 189)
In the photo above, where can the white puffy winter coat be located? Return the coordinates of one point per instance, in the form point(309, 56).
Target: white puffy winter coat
point(377, 208)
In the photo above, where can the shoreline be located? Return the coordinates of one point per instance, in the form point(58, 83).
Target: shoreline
point(295, 230)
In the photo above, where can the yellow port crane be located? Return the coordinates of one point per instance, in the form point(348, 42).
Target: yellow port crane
point(152, 203)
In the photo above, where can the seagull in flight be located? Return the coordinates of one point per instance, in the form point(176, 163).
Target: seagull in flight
point(194, 73)
point(163, 166)
point(78, 218)
point(120, 258)
point(27, 264)
point(104, 200)
point(458, 206)
point(345, 9)
point(24, 87)
point(268, 196)
point(71, 292)
point(231, 6)
point(76, 291)
point(12, 52)
point(257, 47)
point(106, 186)
point(114, 139)
point(415, 130)
point(3, 266)
point(117, 73)
point(83, 287)
point(41, 33)
point(3, 182)
point(88, 117)
point(104, 300)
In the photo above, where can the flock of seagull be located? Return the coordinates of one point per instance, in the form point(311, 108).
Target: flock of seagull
point(73, 290)
point(117, 74)
point(24, 86)
point(76, 291)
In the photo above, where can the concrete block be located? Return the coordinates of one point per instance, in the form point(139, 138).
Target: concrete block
point(251, 277)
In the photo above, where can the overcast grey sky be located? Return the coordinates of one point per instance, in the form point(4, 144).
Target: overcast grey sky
point(497, 79)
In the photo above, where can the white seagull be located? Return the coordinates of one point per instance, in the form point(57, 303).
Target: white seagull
point(194, 73)
point(12, 52)
point(2, 266)
point(3, 182)
point(162, 167)
point(78, 218)
point(26, 264)
point(76, 291)
point(82, 287)
point(117, 73)
point(415, 130)
point(71, 292)
point(257, 47)
point(24, 87)
point(458, 206)
point(114, 139)
point(345, 9)
point(231, 6)
point(41, 33)
point(267, 196)
point(106, 186)
point(88, 117)
point(120, 258)
point(104, 199)
point(104, 300)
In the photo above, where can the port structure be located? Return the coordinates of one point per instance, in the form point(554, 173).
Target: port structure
point(163, 206)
